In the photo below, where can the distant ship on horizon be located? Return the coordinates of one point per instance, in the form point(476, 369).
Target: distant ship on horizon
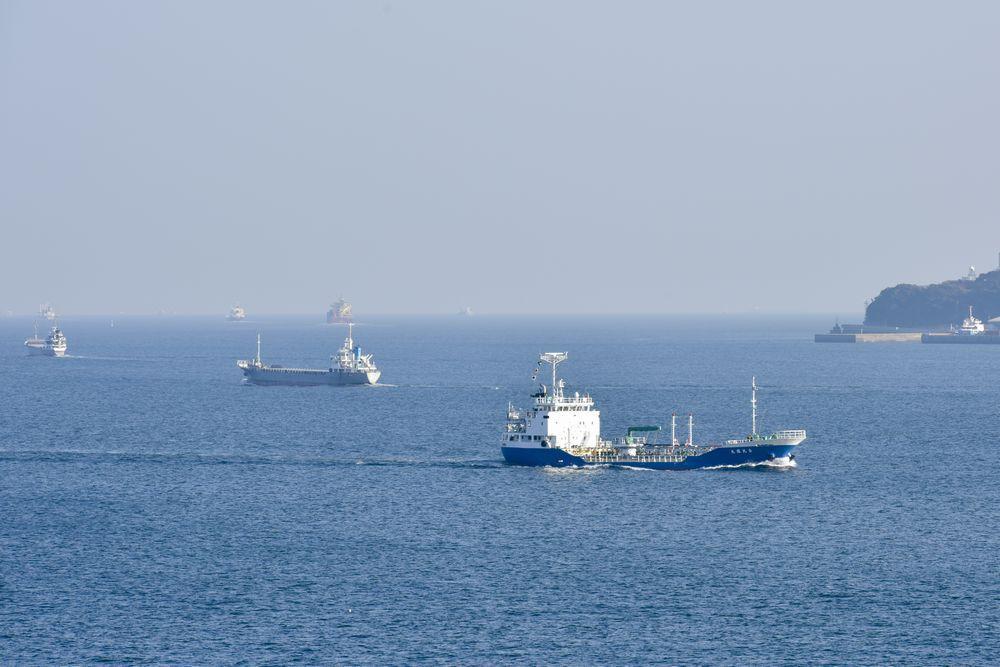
point(340, 312)
point(46, 311)
point(237, 314)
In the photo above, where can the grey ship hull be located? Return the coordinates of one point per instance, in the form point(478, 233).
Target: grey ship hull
point(308, 377)
point(44, 351)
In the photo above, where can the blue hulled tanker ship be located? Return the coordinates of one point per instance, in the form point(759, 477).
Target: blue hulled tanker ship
point(563, 430)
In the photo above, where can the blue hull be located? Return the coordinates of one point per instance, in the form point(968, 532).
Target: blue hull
point(721, 456)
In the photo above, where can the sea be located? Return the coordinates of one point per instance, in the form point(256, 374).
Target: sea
point(154, 509)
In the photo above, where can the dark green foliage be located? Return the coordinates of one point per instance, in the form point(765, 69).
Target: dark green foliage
point(936, 305)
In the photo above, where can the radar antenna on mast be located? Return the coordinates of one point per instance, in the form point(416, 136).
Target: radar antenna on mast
point(554, 358)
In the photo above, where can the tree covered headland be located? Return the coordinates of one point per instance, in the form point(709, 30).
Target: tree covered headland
point(936, 305)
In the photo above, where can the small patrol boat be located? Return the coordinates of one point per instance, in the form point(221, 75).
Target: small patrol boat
point(563, 430)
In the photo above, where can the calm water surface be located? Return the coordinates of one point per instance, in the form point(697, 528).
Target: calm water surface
point(153, 509)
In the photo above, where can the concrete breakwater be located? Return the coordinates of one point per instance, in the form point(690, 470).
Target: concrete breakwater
point(898, 337)
point(952, 339)
point(909, 337)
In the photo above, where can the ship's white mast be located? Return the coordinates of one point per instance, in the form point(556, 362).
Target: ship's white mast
point(690, 441)
point(350, 336)
point(753, 405)
point(258, 349)
point(673, 429)
point(554, 358)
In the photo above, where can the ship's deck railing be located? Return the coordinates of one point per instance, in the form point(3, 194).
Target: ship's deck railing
point(274, 369)
point(564, 400)
point(653, 454)
point(617, 457)
point(637, 459)
point(631, 441)
point(789, 434)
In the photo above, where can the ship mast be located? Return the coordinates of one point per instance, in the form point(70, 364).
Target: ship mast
point(258, 349)
point(753, 405)
point(554, 358)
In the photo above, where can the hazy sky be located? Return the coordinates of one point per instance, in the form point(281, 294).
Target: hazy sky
point(510, 156)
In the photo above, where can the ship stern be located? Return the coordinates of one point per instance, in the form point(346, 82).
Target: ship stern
point(540, 456)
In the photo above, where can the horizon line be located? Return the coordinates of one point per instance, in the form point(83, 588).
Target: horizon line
point(475, 314)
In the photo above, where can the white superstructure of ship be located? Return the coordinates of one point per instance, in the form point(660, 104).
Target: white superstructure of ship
point(348, 367)
point(53, 345)
point(47, 311)
point(340, 312)
point(971, 326)
point(562, 429)
point(236, 314)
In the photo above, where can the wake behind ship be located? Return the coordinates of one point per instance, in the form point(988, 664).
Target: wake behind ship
point(348, 367)
point(560, 430)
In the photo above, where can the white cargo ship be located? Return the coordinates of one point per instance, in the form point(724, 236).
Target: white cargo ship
point(54, 345)
point(348, 367)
